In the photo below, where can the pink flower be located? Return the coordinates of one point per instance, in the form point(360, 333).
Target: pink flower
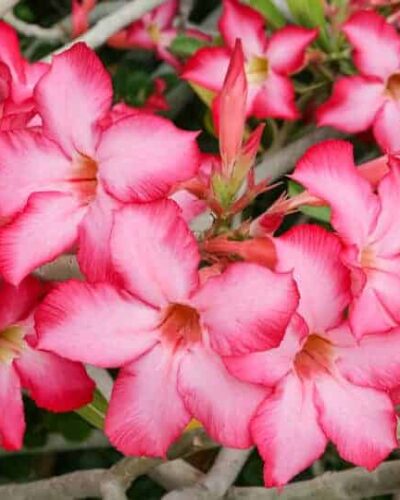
point(372, 97)
point(365, 221)
point(80, 16)
point(61, 186)
point(268, 61)
point(18, 79)
point(325, 386)
point(167, 329)
point(54, 383)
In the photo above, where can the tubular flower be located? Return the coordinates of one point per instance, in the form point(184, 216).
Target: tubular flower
point(268, 62)
point(167, 330)
point(54, 383)
point(18, 79)
point(372, 97)
point(325, 386)
point(61, 186)
point(370, 233)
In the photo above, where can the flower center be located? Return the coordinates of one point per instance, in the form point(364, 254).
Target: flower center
point(11, 343)
point(393, 86)
point(257, 69)
point(367, 258)
point(181, 323)
point(154, 32)
point(85, 176)
point(315, 356)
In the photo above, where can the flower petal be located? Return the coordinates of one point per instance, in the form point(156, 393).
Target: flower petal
point(275, 99)
point(223, 404)
point(155, 252)
point(142, 157)
point(353, 105)
point(360, 421)
point(387, 121)
point(246, 308)
point(287, 432)
point(96, 324)
point(146, 413)
point(376, 44)
point(12, 421)
point(54, 383)
point(74, 94)
point(165, 13)
point(47, 227)
point(207, 67)
point(287, 46)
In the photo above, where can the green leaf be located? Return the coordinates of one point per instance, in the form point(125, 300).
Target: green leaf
point(185, 46)
point(310, 13)
point(322, 214)
point(95, 412)
point(270, 11)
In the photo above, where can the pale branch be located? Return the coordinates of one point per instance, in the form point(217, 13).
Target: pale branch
point(175, 474)
point(6, 6)
point(52, 34)
point(104, 381)
point(63, 268)
point(218, 480)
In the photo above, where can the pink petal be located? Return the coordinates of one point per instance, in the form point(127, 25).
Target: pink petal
point(269, 367)
point(275, 99)
point(246, 308)
point(142, 157)
point(146, 413)
point(240, 21)
point(287, 46)
point(165, 13)
point(47, 227)
point(95, 324)
point(353, 104)
point(10, 53)
point(74, 94)
point(327, 170)
point(190, 205)
point(286, 431)
point(360, 421)
point(223, 404)
point(376, 44)
point(54, 383)
point(29, 163)
point(387, 121)
point(155, 252)
point(207, 67)
point(17, 302)
point(309, 252)
point(12, 422)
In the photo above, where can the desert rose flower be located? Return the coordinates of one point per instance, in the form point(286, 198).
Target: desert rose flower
point(325, 386)
point(167, 331)
point(372, 97)
point(364, 220)
point(54, 383)
point(61, 186)
point(269, 61)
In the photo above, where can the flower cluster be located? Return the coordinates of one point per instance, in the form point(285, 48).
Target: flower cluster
point(287, 342)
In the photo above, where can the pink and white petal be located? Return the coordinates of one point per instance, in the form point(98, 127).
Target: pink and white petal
point(33, 73)
point(190, 205)
point(207, 67)
point(240, 21)
point(142, 157)
point(146, 413)
point(353, 105)
point(155, 252)
point(376, 44)
point(12, 421)
point(275, 99)
point(29, 162)
point(327, 170)
point(287, 46)
point(360, 421)
point(269, 367)
point(223, 404)
point(10, 53)
point(246, 308)
point(309, 251)
point(54, 383)
point(165, 13)
point(386, 123)
point(16, 302)
point(137, 35)
point(373, 362)
point(95, 323)
point(46, 228)
point(286, 431)
point(72, 97)
point(387, 288)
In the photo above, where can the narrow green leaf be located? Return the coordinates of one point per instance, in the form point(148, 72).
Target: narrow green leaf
point(322, 214)
point(185, 46)
point(310, 13)
point(270, 11)
point(95, 412)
